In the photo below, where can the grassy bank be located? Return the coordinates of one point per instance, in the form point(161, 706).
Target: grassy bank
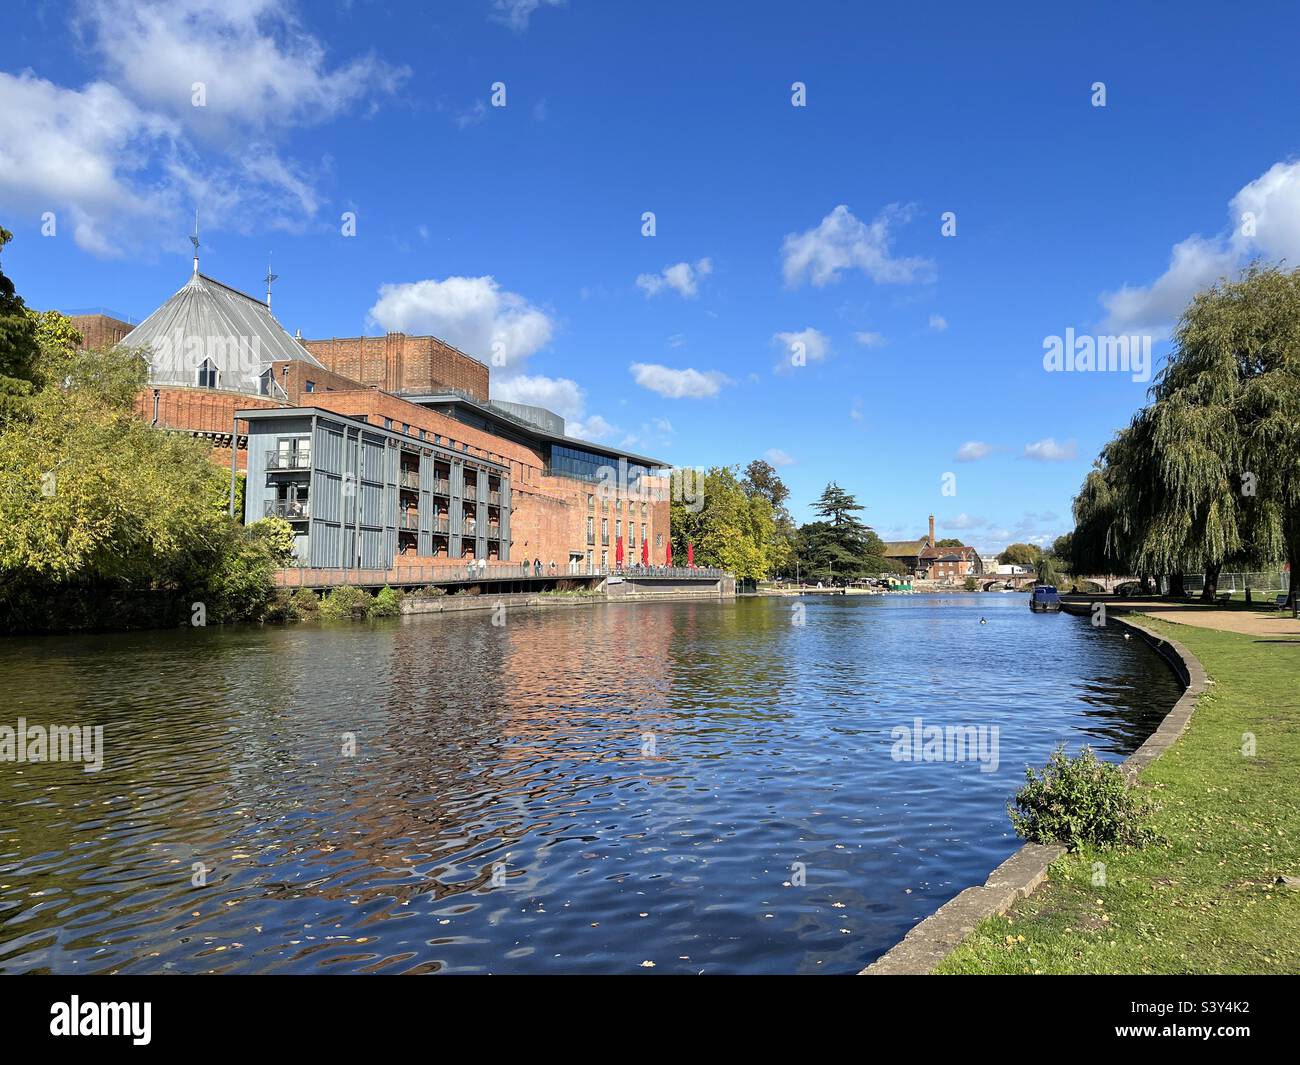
point(1204, 899)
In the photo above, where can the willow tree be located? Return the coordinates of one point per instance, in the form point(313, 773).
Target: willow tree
point(1209, 473)
point(1228, 408)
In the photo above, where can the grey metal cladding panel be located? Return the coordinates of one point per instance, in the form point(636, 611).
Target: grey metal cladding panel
point(327, 449)
point(374, 460)
point(505, 533)
point(256, 490)
point(276, 427)
point(327, 497)
point(372, 498)
point(326, 543)
point(376, 549)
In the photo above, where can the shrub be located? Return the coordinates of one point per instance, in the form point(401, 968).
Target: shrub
point(387, 604)
point(305, 602)
point(972, 585)
point(345, 602)
point(281, 609)
point(429, 591)
point(1080, 800)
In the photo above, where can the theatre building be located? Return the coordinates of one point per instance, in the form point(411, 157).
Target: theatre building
point(384, 452)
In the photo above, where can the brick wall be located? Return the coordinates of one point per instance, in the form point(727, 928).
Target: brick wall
point(201, 411)
point(99, 330)
point(549, 515)
point(400, 363)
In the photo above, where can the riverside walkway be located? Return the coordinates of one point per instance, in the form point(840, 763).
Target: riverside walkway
point(1255, 619)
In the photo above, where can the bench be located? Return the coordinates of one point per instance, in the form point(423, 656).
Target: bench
point(1224, 597)
point(1280, 601)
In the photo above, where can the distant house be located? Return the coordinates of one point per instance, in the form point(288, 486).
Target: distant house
point(907, 553)
point(951, 563)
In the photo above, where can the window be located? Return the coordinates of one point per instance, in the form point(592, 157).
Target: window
point(421, 434)
point(388, 423)
point(591, 530)
point(659, 540)
point(643, 530)
point(618, 528)
point(406, 428)
point(311, 386)
point(591, 501)
point(208, 374)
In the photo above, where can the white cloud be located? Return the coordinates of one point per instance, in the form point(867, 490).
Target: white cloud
point(1048, 450)
point(565, 397)
point(938, 323)
point(778, 458)
point(123, 160)
point(559, 394)
point(593, 428)
point(1264, 219)
point(516, 13)
point(473, 313)
point(84, 152)
point(678, 384)
point(1194, 264)
point(682, 278)
point(842, 242)
point(810, 345)
point(870, 340)
point(963, 521)
point(259, 67)
point(973, 451)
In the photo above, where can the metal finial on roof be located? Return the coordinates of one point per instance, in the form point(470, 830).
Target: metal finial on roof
point(195, 241)
point(270, 279)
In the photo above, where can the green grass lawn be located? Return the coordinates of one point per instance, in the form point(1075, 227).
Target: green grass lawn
point(1203, 900)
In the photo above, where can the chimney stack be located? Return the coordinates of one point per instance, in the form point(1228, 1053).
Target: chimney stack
point(932, 541)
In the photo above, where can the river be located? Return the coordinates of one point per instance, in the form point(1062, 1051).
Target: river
point(709, 786)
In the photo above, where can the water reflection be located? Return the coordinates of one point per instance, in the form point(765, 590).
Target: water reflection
point(582, 789)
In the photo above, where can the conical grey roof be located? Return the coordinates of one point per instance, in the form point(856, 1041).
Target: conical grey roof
point(209, 327)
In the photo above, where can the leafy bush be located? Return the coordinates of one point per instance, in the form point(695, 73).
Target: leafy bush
point(429, 591)
point(972, 585)
point(1080, 800)
point(346, 602)
point(387, 604)
point(305, 602)
point(281, 609)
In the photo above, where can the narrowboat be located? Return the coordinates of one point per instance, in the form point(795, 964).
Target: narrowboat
point(1045, 600)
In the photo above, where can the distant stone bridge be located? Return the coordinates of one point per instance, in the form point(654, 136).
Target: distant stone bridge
point(989, 581)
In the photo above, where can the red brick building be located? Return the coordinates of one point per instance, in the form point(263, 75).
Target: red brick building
point(452, 475)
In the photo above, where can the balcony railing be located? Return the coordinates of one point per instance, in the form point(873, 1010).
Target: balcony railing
point(591, 538)
point(441, 486)
point(441, 525)
point(288, 509)
point(494, 532)
point(409, 479)
point(288, 460)
point(408, 521)
point(494, 499)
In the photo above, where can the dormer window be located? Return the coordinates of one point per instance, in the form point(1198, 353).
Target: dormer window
point(208, 374)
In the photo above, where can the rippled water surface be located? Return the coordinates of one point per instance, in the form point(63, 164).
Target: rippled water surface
point(591, 789)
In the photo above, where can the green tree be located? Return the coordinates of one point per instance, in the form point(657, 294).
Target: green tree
point(1021, 555)
point(839, 506)
point(840, 547)
point(19, 347)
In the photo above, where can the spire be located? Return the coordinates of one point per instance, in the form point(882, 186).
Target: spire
point(195, 241)
point(270, 279)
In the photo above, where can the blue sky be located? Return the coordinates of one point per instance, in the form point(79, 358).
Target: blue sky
point(522, 224)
